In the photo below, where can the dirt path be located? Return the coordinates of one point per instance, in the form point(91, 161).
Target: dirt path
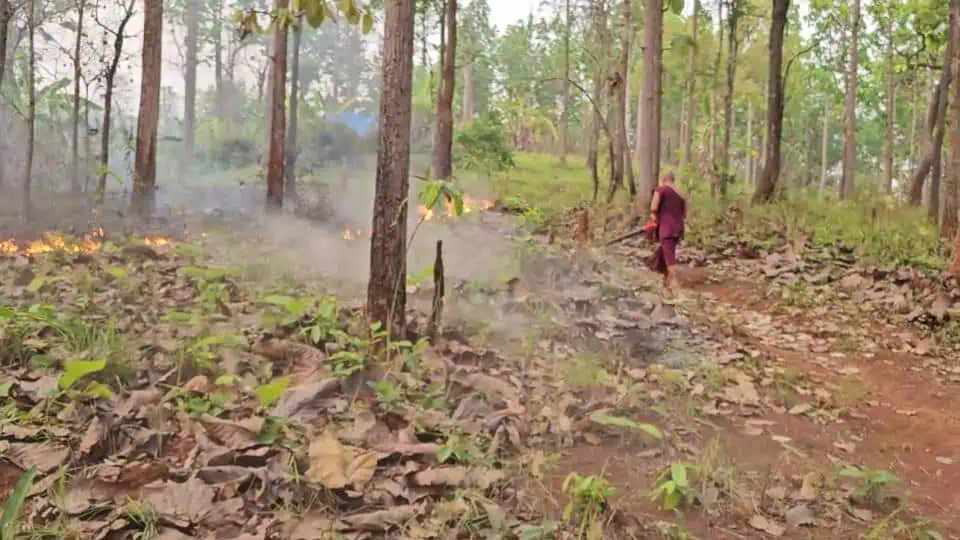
point(829, 399)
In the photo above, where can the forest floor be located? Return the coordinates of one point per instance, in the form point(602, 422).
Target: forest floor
point(161, 390)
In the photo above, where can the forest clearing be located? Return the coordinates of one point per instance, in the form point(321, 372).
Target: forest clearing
point(360, 270)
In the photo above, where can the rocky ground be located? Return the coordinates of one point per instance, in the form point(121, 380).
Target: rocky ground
point(157, 393)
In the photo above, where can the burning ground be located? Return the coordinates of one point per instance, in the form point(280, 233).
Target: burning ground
point(159, 392)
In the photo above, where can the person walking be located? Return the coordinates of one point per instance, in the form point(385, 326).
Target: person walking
point(668, 210)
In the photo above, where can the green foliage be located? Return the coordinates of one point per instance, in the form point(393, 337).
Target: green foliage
point(11, 511)
point(673, 487)
point(605, 419)
point(268, 394)
point(874, 484)
point(588, 499)
point(481, 146)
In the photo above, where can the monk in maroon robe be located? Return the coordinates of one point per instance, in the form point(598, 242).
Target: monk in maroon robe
point(669, 210)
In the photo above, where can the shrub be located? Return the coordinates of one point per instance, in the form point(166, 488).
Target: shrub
point(481, 145)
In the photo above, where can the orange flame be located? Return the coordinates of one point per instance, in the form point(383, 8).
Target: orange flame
point(55, 242)
point(469, 205)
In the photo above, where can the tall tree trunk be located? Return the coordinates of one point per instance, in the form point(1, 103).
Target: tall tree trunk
point(565, 113)
point(278, 113)
point(109, 84)
point(626, 63)
point(914, 105)
point(443, 141)
point(847, 179)
point(748, 174)
point(933, 133)
point(6, 13)
point(618, 109)
point(950, 227)
point(891, 111)
point(599, 28)
point(733, 43)
point(468, 93)
point(291, 143)
point(26, 205)
point(649, 142)
point(75, 134)
point(190, 87)
point(148, 119)
point(86, 137)
point(691, 89)
point(715, 85)
point(771, 168)
point(219, 91)
point(823, 148)
point(386, 290)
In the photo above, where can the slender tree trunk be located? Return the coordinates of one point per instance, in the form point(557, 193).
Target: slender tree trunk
point(771, 168)
point(649, 142)
point(86, 137)
point(891, 111)
point(847, 180)
point(733, 43)
point(219, 93)
point(190, 87)
point(599, 23)
point(468, 93)
point(914, 105)
point(691, 89)
point(145, 162)
point(823, 148)
point(626, 56)
point(386, 291)
point(749, 172)
point(26, 205)
point(933, 134)
point(75, 134)
point(291, 143)
point(713, 91)
point(565, 113)
point(443, 141)
point(109, 84)
point(6, 13)
point(278, 91)
point(950, 227)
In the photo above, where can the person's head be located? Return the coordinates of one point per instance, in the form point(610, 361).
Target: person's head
point(667, 179)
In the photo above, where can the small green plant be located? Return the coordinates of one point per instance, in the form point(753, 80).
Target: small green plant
point(268, 394)
point(9, 519)
point(144, 519)
point(588, 499)
point(605, 419)
point(389, 395)
point(74, 370)
point(288, 311)
point(874, 485)
point(673, 487)
point(460, 448)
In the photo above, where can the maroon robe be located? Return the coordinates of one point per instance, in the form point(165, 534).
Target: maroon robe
point(671, 214)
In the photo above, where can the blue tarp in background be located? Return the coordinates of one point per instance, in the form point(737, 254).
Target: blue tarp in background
point(362, 123)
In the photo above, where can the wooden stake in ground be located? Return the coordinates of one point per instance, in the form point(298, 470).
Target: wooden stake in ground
point(438, 291)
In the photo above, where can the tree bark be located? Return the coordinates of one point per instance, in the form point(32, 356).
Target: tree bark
point(26, 205)
point(691, 89)
point(598, 24)
point(109, 84)
point(190, 87)
point(77, 72)
point(771, 168)
point(950, 227)
point(145, 162)
point(386, 290)
point(733, 44)
point(649, 143)
point(6, 13)
point(713, 91)
point(291, 142)
point(626, 62)
point(468, 93)
point(749, 171)
point(277, 130)
point(847, 179)
point(823, 148)
point(934, 133)
point(443, 142)
point(565, 113)
point(891, 111)
point(219, 93)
